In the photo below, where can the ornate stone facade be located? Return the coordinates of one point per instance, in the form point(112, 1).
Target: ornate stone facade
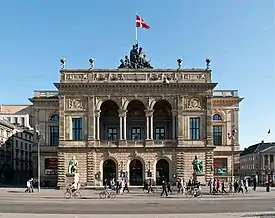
point(132, 123)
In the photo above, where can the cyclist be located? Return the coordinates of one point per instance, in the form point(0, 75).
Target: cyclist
point(73, 188)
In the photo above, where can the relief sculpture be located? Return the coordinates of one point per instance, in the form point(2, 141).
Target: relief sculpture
point(75, 104)
point(194, 103)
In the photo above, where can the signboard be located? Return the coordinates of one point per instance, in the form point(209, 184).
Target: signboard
point(51, 166)
point(220, 166)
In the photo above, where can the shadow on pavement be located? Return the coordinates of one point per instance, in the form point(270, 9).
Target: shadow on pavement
point(19, 191)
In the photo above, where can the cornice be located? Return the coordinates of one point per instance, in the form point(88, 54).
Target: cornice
point(228, 101)
point(125, 87)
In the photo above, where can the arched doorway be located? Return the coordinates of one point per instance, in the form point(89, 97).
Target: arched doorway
point(162, 171)
point(136, 172)
point(109, 170)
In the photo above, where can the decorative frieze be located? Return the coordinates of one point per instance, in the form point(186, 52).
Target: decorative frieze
point(192, 103)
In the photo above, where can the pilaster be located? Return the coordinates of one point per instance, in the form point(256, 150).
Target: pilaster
point(91, 119)
point(180, 165)
point(209, 155)
point(90, 168)
point(62, 122)
point(180, 125)
point(61, 169)
point(209, 126)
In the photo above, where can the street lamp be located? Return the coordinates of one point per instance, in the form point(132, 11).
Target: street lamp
point(39, 137)
point(231, 136)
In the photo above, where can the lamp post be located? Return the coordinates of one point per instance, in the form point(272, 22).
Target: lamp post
point(231, 136)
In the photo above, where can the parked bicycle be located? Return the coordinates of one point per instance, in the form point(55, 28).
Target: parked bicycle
point(107, 194)
point(69, 194)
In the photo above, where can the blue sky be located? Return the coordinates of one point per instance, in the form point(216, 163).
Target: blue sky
point(237, 35)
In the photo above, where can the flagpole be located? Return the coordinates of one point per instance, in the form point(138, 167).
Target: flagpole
point(136, 31)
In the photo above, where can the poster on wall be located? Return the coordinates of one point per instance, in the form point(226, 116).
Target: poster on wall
point(51, 166)
point(220, 166)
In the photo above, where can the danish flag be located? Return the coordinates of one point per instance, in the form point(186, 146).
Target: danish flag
point(140, 22)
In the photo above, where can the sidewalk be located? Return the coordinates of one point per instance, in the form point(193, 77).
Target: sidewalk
point(207, 215)
point(134, 193)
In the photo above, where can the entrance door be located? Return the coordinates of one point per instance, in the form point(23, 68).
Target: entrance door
point(109, 170)
point(162, 171)
point(136, 172)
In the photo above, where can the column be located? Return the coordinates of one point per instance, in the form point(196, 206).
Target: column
point(120, 127)
point(268, 162)
point(152, 127)
point(180, 129)
point(147, 128)
point(174, 114)
point(91, 118)
point(125, 127)
point(97, 125)
point(209, 127)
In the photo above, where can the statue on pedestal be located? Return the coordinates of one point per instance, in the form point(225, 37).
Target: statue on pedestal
point(72, 169)
point(197, 165)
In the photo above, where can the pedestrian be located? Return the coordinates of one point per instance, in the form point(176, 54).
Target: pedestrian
point(210, 184)
point(254, 183)
point(164, 188)
point(246, 185)
point(223, 188)
point(28, 186)
point(169, 187)
point(31, 184)
point(126, 186)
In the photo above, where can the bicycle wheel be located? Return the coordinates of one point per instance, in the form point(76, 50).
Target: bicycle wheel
point(145, 191)
point(155, 190)
point(77, 195)
point(102, 195)
point(199, 194)
point(112, 195)
point(67, 195)
point(188, 194)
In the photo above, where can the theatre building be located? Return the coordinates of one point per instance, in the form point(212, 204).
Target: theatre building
point(135, 122)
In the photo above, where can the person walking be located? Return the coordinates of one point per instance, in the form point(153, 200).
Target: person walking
point(164, 188)
point(254, 183)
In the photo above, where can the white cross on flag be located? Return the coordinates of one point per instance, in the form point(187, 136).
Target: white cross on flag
point(140, 22)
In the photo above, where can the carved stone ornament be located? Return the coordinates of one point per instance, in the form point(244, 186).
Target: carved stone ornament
point(75, 104)
point(194, 103)
point(76, 77)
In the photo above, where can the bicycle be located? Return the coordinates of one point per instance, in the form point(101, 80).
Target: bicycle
point(193, 193)
point(69, 194)
point(107, 194)
point(153, 190)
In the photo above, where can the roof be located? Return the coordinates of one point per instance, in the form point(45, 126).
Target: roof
point(257, 148)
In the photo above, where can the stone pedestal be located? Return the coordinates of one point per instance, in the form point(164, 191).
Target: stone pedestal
point(200, 177)
point(70, 178)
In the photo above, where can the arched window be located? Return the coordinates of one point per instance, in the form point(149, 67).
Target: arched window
point(217, 117)
point(54, 117)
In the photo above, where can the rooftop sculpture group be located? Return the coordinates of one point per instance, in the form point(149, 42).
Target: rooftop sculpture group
point(137, 59)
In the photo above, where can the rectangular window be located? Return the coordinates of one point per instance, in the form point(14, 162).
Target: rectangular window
point(159, 133)
point(195, 128)
point(77, 129)
point(112, 134)
point(54, 135)
point(136, 133)
point(22, 121)
point(217, 135)
point(21, 145)
point(9, 119)
point(15, 120)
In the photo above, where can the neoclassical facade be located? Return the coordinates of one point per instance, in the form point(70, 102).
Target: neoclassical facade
point(134, 123)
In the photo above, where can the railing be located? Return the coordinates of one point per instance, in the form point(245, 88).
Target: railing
point(132, 76)
point(225, 93)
